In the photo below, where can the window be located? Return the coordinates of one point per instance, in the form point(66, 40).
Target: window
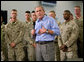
point(49, 3)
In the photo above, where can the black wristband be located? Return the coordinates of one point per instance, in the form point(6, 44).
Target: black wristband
point(47, 31)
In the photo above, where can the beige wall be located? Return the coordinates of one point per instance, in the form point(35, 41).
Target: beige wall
point(22, 6)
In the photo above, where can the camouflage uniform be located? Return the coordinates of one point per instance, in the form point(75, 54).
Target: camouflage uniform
point(14, 33)
point(57, 53)
point(80, 38)
point(3, 43)
point(69, 34)
point(2, 36)
point(28, 41)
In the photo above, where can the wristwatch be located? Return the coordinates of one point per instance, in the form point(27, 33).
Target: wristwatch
point(47, 31)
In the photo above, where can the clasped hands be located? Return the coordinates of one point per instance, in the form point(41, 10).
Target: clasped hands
point(41, 31)
point(12, 44)
point(64, 48)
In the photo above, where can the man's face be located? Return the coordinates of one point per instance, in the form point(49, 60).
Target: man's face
point(52, 14)
point(66, 15)
point(14, 14)
point(34, 17)
point(77, 10)
point(39, 12)
point(27, 15)
point(71, 17)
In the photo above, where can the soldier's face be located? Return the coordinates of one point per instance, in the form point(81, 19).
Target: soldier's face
point(27, 16)
point(14, 14)
point(34, 17)
point(77, 10)
point(71, 17)
point(66, 15)
point(39, 12)
point(51, 14)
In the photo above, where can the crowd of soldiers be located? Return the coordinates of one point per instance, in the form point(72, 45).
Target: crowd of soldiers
point(17, 43)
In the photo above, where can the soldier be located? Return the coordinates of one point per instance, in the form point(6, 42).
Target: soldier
point(34, 18)
point(3, 43)
point(53, 14)
point(57, 53)
point(67, 41)
point(79, 20)
point(14, 36)
point(71, 16)
point(28, 38)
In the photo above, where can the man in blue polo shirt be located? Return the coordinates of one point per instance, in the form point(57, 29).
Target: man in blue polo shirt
point(45, 29)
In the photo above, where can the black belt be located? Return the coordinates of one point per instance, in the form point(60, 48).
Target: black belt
point(43, 42)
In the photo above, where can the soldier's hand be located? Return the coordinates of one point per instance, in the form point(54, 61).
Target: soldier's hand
point(33, 32)
point(65, 49)
point(12, 44)
point(62, 47)
point(34, 45)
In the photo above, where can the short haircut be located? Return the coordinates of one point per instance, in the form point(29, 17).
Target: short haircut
point(33, 11)
point(77, 6)
point(52, 11)
point(40, 6)
point(14, 10)
point(27, 12)
point(67, 11)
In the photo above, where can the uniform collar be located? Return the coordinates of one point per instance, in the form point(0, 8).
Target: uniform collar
point(14, 22)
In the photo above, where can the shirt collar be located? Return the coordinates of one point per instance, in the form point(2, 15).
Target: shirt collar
point(38, 20)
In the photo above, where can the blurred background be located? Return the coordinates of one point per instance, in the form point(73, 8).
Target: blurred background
point(22, 6)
